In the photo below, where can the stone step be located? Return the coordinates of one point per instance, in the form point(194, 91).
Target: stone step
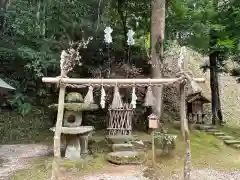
point(212, 130)
point(122, 147)
point(205, 126)
point(231, 142)
point(226, 137)
point(119, 139)
point(237, 146)
point(218, 134)
point(126, 157)
point(139, 145)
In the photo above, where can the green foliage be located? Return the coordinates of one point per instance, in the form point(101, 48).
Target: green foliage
point(165, 140)
point(35, 33)
point(20, 103)
point(33, 127)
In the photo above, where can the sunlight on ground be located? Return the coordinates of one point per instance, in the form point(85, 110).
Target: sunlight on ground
point(207, 151)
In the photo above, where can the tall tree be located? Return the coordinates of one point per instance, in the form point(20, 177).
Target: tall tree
point(157, 40)
point(214, 60)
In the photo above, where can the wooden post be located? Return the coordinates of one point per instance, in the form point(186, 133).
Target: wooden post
point(185, 132)
point(57, 135)
point(153, 149)
point(153, 124)
point(182, 107)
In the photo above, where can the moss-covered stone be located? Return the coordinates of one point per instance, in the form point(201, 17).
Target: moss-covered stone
point(126, 157)
point(122, 147)
point(226, 137)
point(76, 107)
point(74, 97)
point(230, 142)
point(119, 139)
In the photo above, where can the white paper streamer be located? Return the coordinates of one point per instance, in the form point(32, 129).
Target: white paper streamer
point(89, 97)
point(130, 40)
point(117, 100)
point(149, 98)
point(134, 98)
point(103, 98)
point(107, 36)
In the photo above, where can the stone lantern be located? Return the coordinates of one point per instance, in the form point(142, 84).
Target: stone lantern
point(75, 134)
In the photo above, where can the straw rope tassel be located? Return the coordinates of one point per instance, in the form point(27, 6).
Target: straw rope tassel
point(149, 98)
point(103, 98)
point(117, 101)
point(134, 98)
point(89, 97)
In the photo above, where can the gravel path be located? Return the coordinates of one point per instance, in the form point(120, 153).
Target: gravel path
point(196, 174)
point(121, 172)
point(15, 156)
point(209, 174)
point(110, 177)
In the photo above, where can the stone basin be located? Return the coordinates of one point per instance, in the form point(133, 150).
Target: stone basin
point(74, 130)
point(76, 140)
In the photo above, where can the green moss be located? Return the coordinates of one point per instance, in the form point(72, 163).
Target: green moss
point(74, 97)
point(77, 107)
point(230, 130)
point(41, 168)
point(206, 151)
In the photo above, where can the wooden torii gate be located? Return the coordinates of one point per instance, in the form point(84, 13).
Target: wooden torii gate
point(63, 82)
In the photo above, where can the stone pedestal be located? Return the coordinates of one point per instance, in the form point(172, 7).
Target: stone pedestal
point(73, 147)
point(76, 139)
point(84, 144)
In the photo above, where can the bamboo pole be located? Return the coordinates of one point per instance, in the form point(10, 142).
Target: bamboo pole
point(153, 149)
point(114, 81)
point(57, 135)
point(182, 107)
point(185, 132)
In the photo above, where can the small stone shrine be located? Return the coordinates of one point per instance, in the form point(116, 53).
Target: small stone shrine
point(73, 132)
point(195, 102)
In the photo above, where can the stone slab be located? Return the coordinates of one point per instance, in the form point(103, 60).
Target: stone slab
point(122, 147)
point(218, 133)
point(75, 130)
point(205, 126)
point(212, 130)
point(226, 137)
point(125, 157)
point(119, 139)
point(230, 142)
point(237, 146)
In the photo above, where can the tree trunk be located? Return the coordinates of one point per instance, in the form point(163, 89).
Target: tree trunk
point(217, 117)
point(213, 85)
point(219, 107)
point(214, 81)
point(157, 39)
point(123, 18)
